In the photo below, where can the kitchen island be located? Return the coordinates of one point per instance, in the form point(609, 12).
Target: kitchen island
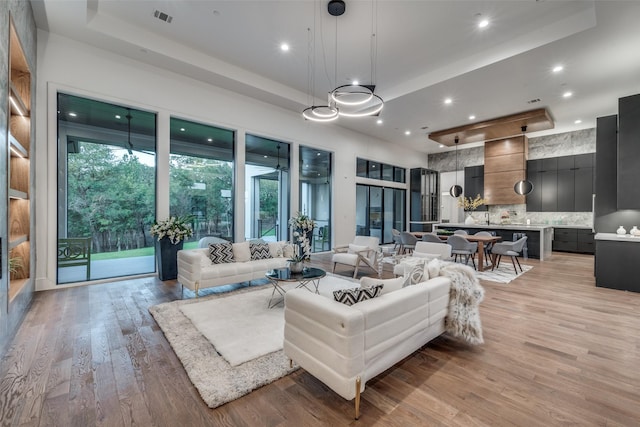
point(616, 261)
point(539, 237)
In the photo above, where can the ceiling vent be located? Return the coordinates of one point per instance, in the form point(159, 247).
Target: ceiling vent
point(163, 16)
point(533, 101)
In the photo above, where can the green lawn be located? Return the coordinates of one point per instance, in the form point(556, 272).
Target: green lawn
point(132, 253)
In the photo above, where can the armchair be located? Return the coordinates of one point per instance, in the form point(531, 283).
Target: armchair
point(511, 249)
point(363, 250)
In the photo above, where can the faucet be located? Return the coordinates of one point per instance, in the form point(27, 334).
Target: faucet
point(487, 215)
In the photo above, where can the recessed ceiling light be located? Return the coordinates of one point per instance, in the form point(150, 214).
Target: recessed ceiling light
point(448, 100)
point(472, 117)
point(567, 94)
point(483, 23)
point(355, 83)
point(441, 145)
point(118, 116)
point(266, 157)
point(209, 139)
point(407, 132)
point(318, 154)
point(181, 129)
point(284, 47)
point(73, 114)
point(557, 68)
point(379, 121)
point(578, 121)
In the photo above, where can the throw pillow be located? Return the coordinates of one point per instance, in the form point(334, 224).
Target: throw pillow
point(276, 249)
point(355, 295)
point(389, 285)
point(221, 253)
point(287, 250)
point(241, 252)
point(259, 251)
point(433, 267)
point(416, 275)
point(353, 249)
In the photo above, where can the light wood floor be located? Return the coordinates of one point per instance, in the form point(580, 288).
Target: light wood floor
point(558, 351)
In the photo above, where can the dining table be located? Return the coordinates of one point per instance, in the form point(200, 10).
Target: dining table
point(481, 240)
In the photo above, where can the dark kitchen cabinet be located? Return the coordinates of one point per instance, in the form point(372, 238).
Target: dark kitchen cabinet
point(573, 240)
point(474, 183)
point(561, 184)
point(628, 152)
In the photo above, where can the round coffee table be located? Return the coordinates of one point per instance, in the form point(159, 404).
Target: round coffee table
point(280, 276)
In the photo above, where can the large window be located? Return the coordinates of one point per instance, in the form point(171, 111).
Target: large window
point(315, 194)
point(201, 178)
point(382, 171)
point(106, 190)
point(266, 188)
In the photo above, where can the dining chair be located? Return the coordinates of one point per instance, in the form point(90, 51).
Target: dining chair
point(511, 249)
point(397, 241)
point(408, 241)
point(461, 232)
point(432, 237)
point(463, 247)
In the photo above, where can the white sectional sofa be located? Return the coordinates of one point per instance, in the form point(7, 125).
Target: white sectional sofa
point(197, 271)
point(345, 346)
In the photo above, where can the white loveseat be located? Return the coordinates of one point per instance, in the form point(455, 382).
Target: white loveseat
point(345, 346)
point(196, 270)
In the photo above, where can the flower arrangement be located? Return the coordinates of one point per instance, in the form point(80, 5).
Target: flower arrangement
point(175, 228)
point(302, 227)
point(470, 204)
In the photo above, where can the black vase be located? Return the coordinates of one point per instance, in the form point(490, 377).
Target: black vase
point(167, 258)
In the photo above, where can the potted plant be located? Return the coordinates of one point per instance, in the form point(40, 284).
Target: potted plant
point(171, 233)
point(470, 204)
point(302, 229)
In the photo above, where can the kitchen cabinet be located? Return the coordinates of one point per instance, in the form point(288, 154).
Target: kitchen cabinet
point(474, 183)
point(628, 190)
point(561, 184)
point(573, 240)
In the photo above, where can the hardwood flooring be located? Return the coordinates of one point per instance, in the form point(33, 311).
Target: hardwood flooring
point(558, 351)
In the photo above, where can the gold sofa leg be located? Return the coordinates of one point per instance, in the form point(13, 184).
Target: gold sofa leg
point(358, 381)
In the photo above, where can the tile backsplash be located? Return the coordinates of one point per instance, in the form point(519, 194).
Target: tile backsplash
point(518, 215)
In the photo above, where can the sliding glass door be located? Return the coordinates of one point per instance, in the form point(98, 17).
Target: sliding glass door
point(106, 190)
point(315, 194)
point(266, 188)
point(379, 210)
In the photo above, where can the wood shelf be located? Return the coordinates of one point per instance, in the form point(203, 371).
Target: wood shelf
point(17, 240)
point(18, 195)
point(16, 149)
point(502, 127)
point(18, 105)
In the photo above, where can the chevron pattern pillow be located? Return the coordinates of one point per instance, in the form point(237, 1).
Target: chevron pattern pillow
point(352, 296)
point(221, 253)
point(260, 251)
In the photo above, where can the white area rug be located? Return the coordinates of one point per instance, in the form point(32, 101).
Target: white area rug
point(215, 378)
point(504, 273)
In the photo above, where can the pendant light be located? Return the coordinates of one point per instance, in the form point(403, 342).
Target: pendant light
point(456, 190)
point(523, 187)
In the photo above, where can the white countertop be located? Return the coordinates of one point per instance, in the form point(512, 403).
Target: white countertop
point(532, 227)
point(617, 237)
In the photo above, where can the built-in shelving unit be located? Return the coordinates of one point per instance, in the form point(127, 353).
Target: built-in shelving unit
point(19, 167)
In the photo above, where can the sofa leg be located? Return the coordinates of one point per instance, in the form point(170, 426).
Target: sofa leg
point(197, 289)
point(290, 363)
point(358, 381)
point(333, 269)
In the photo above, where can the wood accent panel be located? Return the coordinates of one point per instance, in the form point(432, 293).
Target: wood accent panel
point(19, 180)
point(18, 217)
point(20, 87)
point(20, 128)
point(501, 127)
point(21, 252)
point(508, 162)
point(558, 351)
point(505, 163)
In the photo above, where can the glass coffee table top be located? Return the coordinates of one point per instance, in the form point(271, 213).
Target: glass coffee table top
point(309, 276)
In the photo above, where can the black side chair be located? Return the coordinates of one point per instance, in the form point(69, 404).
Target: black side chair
point(511, 249)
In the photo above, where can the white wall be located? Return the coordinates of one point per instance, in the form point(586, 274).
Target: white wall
point(76, 68)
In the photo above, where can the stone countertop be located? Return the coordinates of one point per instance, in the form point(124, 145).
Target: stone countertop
point(617, 237)
point(532, 227)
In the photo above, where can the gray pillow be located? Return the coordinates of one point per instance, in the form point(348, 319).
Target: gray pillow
point(355, 295)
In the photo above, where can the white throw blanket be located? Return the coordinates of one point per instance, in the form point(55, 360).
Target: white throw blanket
point(463, 318)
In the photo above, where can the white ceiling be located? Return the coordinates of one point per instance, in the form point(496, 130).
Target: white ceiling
point(426, 51)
